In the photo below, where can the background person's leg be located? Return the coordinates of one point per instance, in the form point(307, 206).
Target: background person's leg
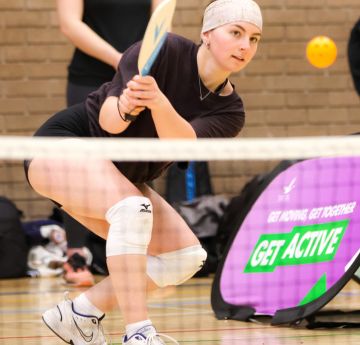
point(80, 242)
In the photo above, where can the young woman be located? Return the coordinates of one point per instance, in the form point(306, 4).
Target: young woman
point(187, 95)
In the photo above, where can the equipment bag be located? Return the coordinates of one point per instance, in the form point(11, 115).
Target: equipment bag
point(295, 246)
point(13, 247)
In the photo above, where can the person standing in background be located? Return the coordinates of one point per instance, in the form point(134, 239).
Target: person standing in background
point(354, 55)
point(100, 31)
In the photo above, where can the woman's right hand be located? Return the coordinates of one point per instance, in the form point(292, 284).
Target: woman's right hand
point(125, 105)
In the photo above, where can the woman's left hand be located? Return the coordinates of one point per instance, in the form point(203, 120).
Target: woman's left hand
point(144, 92)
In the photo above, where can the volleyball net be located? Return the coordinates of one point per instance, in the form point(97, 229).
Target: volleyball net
point(16, 148)
point(288, 247)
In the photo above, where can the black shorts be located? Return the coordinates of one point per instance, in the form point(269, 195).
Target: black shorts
point(71, 122)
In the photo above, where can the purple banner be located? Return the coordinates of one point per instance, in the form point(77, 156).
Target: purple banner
point(298, 239)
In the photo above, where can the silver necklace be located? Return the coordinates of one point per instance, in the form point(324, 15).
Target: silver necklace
point(218, 90)
point(201, 95)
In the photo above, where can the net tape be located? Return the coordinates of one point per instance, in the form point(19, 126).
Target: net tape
point(116, 149)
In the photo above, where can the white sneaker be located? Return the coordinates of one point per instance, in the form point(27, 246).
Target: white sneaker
point(147, 336)
point(72, 327)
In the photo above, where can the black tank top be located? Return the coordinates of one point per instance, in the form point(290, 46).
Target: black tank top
point(121, 23)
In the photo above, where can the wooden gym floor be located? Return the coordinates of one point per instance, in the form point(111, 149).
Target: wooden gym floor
point(183, 312)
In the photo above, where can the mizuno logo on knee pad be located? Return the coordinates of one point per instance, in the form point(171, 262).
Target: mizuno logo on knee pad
point(145, 208)
point(131, 222)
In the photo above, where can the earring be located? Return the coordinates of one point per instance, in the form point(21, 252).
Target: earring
point(207, 44)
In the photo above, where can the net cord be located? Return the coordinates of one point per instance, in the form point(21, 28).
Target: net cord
point(116, 149)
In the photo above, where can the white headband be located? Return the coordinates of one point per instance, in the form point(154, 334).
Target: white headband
point(221, 12)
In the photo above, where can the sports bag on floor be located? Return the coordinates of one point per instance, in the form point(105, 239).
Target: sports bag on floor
point(13, 247)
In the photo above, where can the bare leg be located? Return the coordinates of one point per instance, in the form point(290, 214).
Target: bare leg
point(170, 232)
point(87, 189)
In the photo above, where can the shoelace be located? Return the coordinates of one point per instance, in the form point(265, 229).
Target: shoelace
point(66, 296)
point(153, 336)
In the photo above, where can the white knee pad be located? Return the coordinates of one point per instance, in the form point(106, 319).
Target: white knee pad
point(131, 222)
point(174, 268)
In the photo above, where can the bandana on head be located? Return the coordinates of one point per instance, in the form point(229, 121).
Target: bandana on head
point(223, 12)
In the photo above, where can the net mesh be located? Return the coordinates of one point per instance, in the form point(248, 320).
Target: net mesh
point(281, 228)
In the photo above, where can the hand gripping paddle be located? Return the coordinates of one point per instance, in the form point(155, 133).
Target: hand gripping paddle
point(154, 38)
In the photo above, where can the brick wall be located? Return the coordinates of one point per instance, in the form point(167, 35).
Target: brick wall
point(283, 94)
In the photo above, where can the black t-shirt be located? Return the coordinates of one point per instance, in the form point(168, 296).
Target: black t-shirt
point(354, 55)
point(176, 73)
point(120, 23)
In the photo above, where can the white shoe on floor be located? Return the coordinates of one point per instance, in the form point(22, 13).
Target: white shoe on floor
point(74, 328)
point(147, 336)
